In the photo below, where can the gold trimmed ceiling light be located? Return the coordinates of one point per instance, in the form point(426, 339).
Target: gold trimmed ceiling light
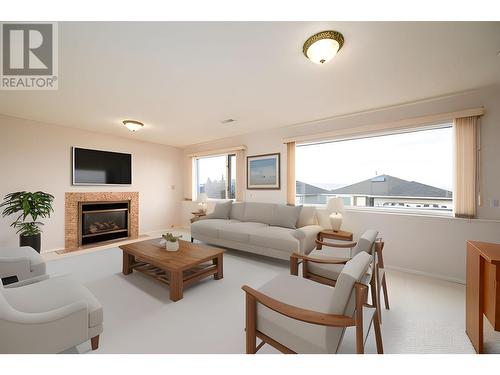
point(323, 46)
point(133, 125)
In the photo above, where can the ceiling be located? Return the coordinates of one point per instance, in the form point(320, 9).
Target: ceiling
point(182, 79)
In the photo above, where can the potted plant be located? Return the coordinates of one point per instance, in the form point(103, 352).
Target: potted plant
point(171, 241)
point(36, 206)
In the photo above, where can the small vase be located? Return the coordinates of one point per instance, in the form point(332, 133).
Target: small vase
point(172, 246)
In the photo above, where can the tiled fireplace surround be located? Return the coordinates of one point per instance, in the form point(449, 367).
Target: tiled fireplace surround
point(71, 212)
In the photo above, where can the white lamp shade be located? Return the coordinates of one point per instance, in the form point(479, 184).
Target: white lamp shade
point(133, 125)
point(202, 197)
point(335, 205)
point(322, 51)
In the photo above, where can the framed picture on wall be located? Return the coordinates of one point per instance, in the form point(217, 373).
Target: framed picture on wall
point(263, 172)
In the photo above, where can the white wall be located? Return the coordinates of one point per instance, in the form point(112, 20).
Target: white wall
point(37, 156)
point(429, 240)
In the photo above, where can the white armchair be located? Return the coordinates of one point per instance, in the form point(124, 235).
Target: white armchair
point(20, 263)
point(297, 315)
point(49, 316)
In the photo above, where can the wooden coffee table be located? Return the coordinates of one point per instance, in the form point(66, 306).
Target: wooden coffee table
point(178, 269)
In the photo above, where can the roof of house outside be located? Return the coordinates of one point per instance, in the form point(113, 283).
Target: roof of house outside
point(387, 186)
point(307, 189)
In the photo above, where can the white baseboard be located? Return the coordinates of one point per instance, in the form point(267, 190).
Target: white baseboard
point(427, 274)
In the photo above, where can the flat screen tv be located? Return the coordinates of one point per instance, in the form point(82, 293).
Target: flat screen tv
point(95, 167)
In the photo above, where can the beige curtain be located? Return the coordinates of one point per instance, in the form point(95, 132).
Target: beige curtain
point(290, 173)
point(466, 166)
point(188, 179)
point(240, 175)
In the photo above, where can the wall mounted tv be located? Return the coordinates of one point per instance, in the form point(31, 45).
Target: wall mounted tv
point(95, 167)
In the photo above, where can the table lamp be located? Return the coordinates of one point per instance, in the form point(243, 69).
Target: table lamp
point(336, 207)
point(202, 201)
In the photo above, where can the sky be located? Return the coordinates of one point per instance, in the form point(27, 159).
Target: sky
point(211, 167)
point(422, 156)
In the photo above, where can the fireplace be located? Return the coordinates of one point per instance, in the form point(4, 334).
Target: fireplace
point(103, 221)
point(75, 226)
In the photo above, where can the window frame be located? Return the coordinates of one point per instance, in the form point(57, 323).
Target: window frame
point(230, 157)
point(389, 210)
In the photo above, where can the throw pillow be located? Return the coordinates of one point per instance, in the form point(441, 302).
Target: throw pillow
point(221, 210)
point(286, 216)
point(307, 216)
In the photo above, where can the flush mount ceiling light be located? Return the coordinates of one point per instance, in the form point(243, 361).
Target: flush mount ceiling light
point(228, 121)
point(133, 125)
point(322, 47)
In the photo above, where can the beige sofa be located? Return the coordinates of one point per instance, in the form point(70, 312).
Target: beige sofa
point(274, 230)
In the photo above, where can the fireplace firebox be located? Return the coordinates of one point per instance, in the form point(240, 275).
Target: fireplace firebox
point(103, 221)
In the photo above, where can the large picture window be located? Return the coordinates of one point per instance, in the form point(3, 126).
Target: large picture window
point(409, 171)
point(216, 176)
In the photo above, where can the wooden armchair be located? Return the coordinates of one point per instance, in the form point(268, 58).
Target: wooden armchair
point(296, 315)
point(324, 266)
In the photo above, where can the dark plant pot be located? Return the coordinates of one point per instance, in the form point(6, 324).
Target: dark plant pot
point(35, 241)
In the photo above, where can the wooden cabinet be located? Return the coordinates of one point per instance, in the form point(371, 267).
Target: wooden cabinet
point(482, 290)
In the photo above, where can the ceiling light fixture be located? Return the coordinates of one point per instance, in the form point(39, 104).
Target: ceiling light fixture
point(322, 47)
point(228, 121)
point(133, 125)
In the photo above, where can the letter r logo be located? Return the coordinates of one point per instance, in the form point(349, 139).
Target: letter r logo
point(27, 49)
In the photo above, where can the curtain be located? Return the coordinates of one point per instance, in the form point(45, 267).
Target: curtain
point(290, 173)
point(189, 180)
point(466, 166)
point(240, 175)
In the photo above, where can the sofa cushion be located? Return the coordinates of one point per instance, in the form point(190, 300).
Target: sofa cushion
point(259, 212)
point(237, 211)
point(52, 294)
point(239, 232)
point(307, 216)
point(285, 216)
point(276, 238)
point(210, 227)
point(221, 210)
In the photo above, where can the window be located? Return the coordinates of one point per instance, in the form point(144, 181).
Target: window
point(216, 176)
point(409, 171)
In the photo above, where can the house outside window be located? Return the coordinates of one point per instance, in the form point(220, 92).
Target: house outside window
point(216, 176)
point(411, 171)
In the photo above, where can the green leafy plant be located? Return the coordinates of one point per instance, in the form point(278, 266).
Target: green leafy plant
point(35, 205)
point(170, 237)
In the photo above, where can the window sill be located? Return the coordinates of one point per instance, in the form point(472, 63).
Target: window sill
point(404, 212)
point(388, 211)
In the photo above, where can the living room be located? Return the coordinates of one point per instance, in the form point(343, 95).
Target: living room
point(307, 186)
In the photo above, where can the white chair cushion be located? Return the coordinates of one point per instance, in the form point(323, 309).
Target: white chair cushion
point(52, 294)
point(37, 264)
point(296, 335)
point(275, 237)
point(239, 232)
point(365, 242)
point(344, 301)
point(330, 271)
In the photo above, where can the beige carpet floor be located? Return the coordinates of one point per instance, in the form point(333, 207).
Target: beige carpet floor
point(426, 315)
